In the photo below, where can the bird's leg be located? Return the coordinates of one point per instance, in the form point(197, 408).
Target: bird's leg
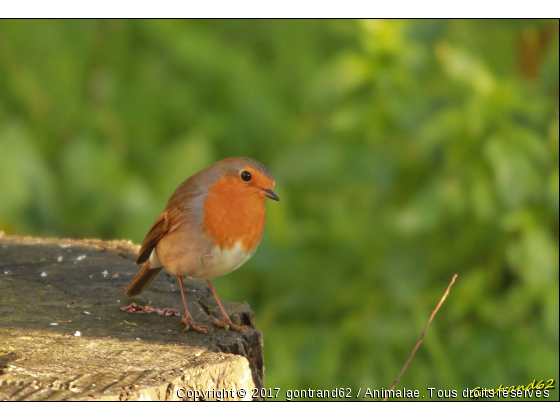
point(188, 319)
point(225, 322)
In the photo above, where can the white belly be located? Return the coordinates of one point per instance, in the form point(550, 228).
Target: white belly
point(215, 263)
point(221, 262)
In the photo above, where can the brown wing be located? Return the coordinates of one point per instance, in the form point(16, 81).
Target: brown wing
point(168, 221)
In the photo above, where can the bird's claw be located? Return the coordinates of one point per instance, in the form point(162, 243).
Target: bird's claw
point(226, 324)
point(189, 323)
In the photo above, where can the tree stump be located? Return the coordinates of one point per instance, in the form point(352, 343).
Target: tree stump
point(63, 335)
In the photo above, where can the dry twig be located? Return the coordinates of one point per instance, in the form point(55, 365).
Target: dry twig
point(422, 335)
point(135, 308)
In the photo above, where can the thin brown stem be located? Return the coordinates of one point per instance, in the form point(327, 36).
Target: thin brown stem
point(422, 335)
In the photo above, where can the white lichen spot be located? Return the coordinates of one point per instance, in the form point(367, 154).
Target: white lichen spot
point(105, 273)
point(54, 324)
point(77, 334)
point(60, 258)
point(80, 258)
point(43, 274)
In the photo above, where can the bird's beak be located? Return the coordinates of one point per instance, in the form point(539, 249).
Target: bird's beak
point(270, 194)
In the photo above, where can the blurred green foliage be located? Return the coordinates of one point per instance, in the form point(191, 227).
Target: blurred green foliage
point(403, 151)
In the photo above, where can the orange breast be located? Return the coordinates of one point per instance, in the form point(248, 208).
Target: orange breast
point(234, 214)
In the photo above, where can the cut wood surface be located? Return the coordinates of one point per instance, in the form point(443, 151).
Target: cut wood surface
point(63, 335)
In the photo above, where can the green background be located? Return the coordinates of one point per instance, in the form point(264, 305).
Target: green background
point(403, 151)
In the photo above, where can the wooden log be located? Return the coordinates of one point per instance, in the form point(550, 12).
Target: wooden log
point(63, 335)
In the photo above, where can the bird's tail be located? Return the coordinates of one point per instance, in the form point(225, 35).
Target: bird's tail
point(142, 280)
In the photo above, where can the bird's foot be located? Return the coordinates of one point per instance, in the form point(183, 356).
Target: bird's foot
point(226, 323)
point(189, 323)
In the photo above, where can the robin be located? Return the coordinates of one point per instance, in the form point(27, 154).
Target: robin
point(212, 224)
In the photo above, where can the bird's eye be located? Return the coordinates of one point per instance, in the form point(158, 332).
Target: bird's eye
point(246, 176)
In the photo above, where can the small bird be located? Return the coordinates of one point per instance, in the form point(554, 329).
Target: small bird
point(212, 224)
